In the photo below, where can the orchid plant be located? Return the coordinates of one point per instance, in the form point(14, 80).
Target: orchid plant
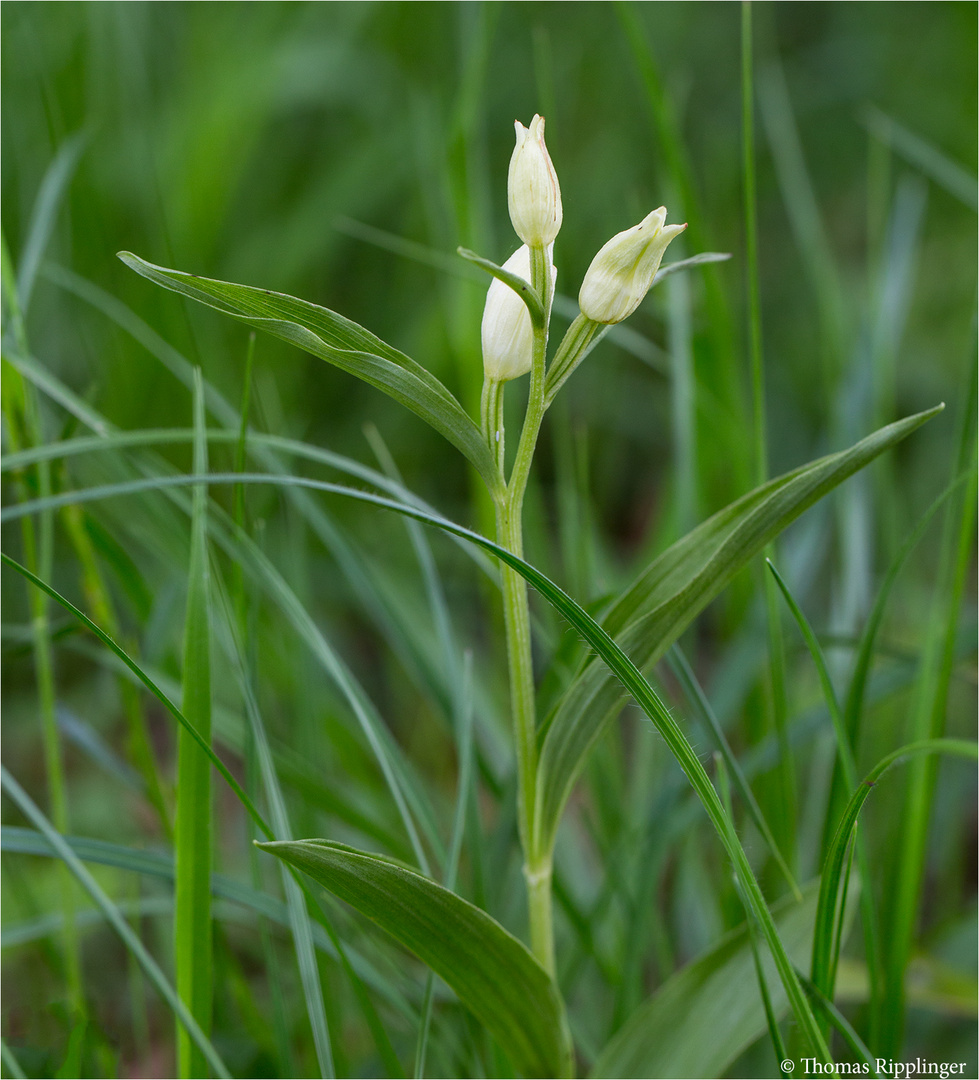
point(511, 989)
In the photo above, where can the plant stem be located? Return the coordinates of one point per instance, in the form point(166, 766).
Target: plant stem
point(516, 614)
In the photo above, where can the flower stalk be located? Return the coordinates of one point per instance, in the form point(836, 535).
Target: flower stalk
point(515, 324)
point(516, 609)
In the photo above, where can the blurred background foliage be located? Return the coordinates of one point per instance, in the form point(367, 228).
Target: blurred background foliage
point(341, 152)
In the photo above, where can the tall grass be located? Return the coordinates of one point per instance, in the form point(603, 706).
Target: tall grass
point(291, 612)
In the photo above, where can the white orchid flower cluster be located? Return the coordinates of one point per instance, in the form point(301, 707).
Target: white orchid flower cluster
point(616, 281)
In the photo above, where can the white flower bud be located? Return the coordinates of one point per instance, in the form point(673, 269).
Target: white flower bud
point(533, 192)
point(507, 333)
point(621, 273)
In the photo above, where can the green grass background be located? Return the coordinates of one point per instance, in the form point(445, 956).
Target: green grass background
point(341, 152)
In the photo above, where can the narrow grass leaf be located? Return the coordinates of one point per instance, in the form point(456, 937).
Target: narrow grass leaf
point(148, 683)
point(847, 762)
point(299, 923)
point(698, 699)
point(840, 1023)
point(833, 867)
point(116, 920)
point(868, 638)
point(774, 1032)
point(45, 213)
point(924, 155)
point(193, 830)
point(929, 716)
point(492, 973)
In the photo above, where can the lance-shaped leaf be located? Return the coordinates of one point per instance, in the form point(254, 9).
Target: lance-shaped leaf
point(491, 972)
point(676, 587)
point(341, 342)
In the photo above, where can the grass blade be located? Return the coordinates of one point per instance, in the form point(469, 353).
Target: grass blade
point(148, 683)
point(832, 875)
point(298, 916)
point(52, 191)
point(842, 1025)
point(929, 159)
point(193, 932)
point(118, 923)
point(698, 699)
point(848, 768)
point(865, 651)
point(774, 1032)
point(928, 720)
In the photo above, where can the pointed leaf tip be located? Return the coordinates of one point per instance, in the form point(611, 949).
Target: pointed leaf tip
point(493, 974)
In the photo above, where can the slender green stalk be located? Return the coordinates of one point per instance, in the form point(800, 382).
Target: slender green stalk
point(751, 247)
point(516, 617)
point(193, 929)
point(775, 699)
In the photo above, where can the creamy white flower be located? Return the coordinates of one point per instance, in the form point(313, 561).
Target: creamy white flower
point(507, 333)
point(621, 273)
point(533, 192)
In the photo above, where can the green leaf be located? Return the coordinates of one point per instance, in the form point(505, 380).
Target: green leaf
point(341, 342)
point(688, 264)
point(823, 967)
point(193, 839)
point(522, 288)
point(673, 590)
point(492, 973)
point(710, 1011)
